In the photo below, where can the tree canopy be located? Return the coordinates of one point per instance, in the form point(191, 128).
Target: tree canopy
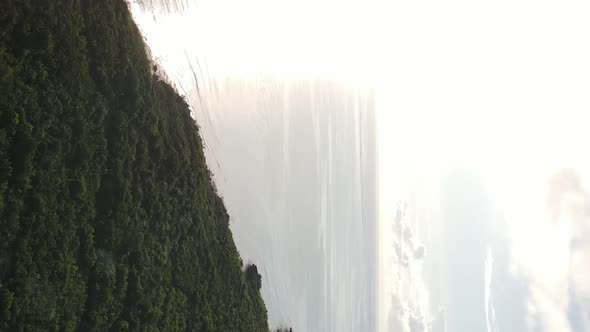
point(108, 217)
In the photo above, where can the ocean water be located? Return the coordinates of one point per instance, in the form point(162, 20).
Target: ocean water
point(295, 162)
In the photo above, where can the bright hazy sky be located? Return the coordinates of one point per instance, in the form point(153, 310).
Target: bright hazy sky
point(483, 131)
point(491, 100)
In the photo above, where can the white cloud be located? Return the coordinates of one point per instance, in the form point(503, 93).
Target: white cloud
point(409, 309)
point(547, 307)
point(553, 256)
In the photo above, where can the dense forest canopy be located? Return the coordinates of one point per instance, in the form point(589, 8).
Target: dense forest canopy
point(108, 217)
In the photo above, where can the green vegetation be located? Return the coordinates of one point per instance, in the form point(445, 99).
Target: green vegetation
point(283, 330)
point(108, 217)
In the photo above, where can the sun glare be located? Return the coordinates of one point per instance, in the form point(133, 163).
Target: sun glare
point(293, 40)
point(456, 84)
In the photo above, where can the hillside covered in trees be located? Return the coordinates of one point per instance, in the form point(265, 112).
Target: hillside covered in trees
point(108, 217)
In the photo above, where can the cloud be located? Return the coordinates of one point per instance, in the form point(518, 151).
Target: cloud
point(410, 308)
point(418, 323)
point(406, 319)
point(553, 258)
point(398, 316)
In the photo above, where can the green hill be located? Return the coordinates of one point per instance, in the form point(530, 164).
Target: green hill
point(108, 217)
